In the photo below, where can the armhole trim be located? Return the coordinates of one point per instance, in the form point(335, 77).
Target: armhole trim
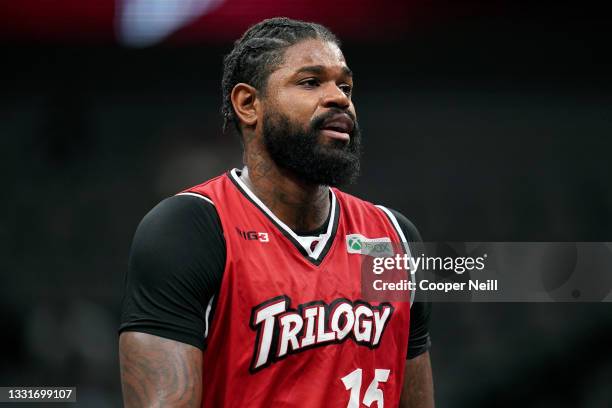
point(400, 233)
point(207, 316)
point(197, 195)
point(211, 303)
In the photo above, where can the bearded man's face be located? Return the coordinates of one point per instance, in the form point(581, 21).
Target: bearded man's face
point(309, 122)
point(308, 154)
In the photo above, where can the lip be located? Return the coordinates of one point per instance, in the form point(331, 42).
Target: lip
point(334, 134)
point(338, 127)
point(340, 123)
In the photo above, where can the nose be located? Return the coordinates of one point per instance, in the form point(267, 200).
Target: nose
point(334, 97)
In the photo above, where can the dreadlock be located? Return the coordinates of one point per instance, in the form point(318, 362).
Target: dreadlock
point(259, 51)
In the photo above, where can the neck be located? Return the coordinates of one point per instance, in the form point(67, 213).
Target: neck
point(301, 206)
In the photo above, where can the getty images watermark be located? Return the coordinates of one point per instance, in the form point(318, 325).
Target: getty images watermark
point(411, 264)
point(485, 271)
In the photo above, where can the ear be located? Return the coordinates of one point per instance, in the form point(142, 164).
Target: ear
point(246, 105)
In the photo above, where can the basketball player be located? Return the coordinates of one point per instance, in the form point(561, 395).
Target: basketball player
point(243, 291)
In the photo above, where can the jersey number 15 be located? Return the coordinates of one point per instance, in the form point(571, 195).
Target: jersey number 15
point(352, 382)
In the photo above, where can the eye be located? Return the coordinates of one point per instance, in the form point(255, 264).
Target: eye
point(310, 82)
point(346, 88)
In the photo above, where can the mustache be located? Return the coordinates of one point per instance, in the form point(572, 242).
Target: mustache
point(319, 121)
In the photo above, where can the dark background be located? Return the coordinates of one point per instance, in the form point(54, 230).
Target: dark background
point(487, 124)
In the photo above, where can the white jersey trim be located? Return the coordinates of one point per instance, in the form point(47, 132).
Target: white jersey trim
point(207, 317)
point(196, 195)
point(305, 242)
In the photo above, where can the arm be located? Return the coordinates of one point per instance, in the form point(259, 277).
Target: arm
point(176, 265)
point(157, 372)
point(417, 391)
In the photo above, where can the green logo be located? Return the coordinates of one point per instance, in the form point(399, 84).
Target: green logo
point(354, 243)
point(359, 244)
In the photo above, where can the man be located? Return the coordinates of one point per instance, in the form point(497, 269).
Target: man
point(242, 292)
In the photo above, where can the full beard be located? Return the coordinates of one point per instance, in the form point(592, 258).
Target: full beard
point(306, 156)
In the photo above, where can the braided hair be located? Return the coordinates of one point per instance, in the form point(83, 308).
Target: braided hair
point(259, 51)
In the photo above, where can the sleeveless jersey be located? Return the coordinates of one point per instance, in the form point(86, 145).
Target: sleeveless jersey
point(290, 328)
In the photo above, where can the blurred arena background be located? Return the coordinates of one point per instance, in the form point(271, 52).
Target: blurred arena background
point(482, 121)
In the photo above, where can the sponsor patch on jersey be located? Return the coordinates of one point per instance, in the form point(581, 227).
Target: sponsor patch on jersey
point(360, 244)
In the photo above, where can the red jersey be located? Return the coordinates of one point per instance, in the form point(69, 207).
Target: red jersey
point(290, 328)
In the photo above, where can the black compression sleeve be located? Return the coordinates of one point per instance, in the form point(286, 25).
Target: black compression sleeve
point(176, 265)
point(419, 341)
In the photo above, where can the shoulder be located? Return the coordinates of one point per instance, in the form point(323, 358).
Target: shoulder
point(408, 228)
point(354, 203)
point(173, 229)
point(182, 211)
point(179, 211)
point(176, 265)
